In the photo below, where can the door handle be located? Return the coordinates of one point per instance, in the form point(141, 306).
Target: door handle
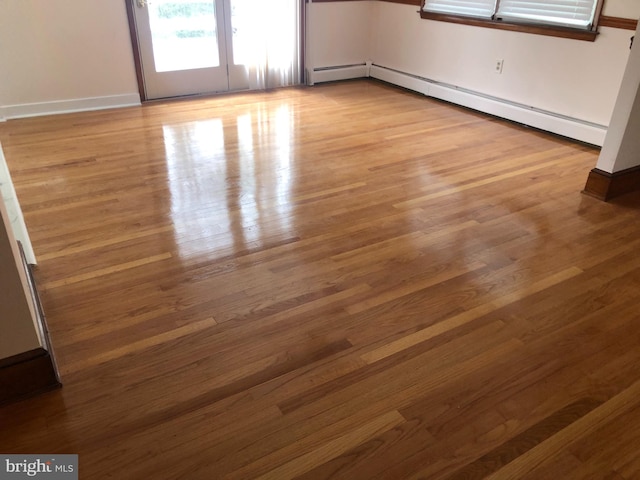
point(141, 3)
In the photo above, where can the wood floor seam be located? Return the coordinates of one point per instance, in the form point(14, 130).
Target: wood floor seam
point(345, 280)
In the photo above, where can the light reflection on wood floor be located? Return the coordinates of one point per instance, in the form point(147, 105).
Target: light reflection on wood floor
point(344, 281)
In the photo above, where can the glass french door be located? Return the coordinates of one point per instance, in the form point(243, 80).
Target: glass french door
point(186, 47)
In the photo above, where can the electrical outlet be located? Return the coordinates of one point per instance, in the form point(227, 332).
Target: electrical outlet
point(499, 64)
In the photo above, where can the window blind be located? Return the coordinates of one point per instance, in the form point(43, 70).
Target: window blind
point(472, 8)
point(572, 13)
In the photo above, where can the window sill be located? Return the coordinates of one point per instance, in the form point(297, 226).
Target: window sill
point(562, 32)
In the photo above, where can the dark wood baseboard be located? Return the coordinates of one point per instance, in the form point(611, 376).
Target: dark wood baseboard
point(27, 374)
point(605, 186)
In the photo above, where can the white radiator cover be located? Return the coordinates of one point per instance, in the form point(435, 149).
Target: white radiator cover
point(559, 124)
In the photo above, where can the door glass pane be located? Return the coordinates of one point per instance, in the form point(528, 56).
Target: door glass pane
point(183, 34)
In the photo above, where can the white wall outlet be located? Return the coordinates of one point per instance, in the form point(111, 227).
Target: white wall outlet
point(499, 64)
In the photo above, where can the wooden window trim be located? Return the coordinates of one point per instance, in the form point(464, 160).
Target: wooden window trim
point(616, 22)
point(405, 2)
point(549, 30)
point(603, 20)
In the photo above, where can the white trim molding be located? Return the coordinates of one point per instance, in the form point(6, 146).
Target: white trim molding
point(68, 106)
point(342, 72)
point(552, 122)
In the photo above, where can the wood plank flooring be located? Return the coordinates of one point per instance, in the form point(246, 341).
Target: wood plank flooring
point(345, 281)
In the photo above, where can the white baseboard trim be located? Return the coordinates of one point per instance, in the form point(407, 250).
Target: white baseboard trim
point(332, 74)
point(400, 79)
point(69, 106)
point(544, 120)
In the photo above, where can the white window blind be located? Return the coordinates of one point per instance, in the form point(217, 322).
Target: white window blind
point(572, 13)
point(472, 8)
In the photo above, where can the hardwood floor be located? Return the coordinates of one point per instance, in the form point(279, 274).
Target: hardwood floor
point(345, 281)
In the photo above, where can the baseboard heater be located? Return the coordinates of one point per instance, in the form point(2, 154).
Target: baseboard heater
point(340, 72)
point(570, 127)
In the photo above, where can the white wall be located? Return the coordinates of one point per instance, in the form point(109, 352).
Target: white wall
point(577, 79)
point(62, 50)
point(14, 212)
point(622, 143)
point(18, 331)
point(57, 55)
point(622, 8)
point(339, 33)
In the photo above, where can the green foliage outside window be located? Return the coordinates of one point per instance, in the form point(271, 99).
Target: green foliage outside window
point(192, 9)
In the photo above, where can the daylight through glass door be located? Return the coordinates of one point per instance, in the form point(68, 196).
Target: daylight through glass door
point(206, 46)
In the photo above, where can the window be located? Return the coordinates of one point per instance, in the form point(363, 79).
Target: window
point(565, 18)
point(474, 8)
point(571, 13)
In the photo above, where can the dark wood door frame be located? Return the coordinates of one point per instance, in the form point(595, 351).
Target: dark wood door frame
point(133, 32)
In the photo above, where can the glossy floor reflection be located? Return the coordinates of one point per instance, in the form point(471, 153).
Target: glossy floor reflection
point(237, 173)
point(344, 281)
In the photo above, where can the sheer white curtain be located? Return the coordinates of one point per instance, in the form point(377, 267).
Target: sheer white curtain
point(266, 39)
